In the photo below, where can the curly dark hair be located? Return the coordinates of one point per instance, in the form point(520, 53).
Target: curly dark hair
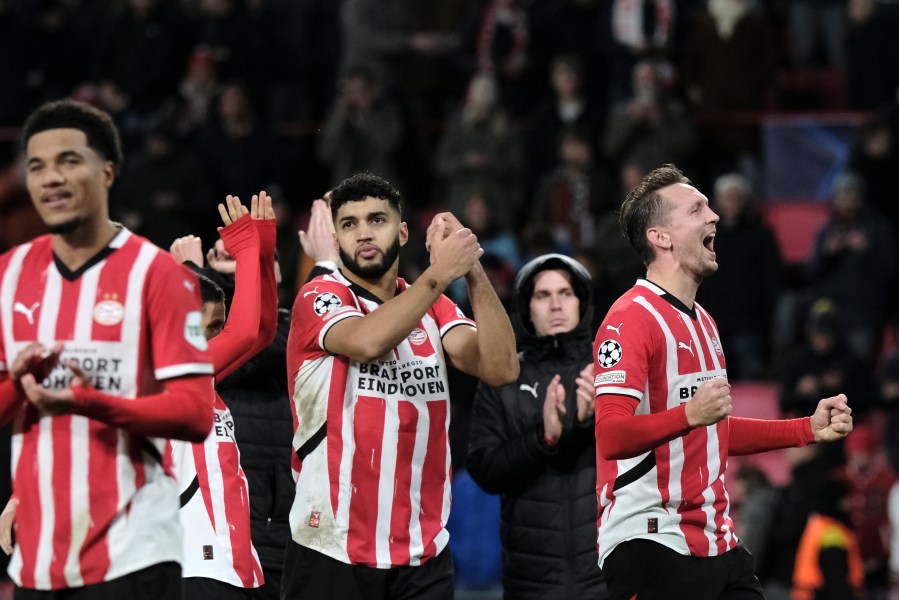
point(364, 185)
point(644, 207)
point(102, 134)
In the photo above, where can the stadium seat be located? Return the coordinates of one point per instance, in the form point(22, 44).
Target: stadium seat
point(758, 400)
point(795, 225)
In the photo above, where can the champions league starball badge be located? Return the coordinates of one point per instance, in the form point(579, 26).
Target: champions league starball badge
point(609, 354)
point(325, 303)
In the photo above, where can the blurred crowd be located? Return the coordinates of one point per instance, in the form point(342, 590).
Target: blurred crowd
point(530, 120)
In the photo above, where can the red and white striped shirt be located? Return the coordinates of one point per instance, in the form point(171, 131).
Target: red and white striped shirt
point(654, 349)
point(372, 459)
point(215, 507)
point(95, 501)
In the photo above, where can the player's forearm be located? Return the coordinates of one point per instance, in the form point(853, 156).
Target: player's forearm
point(621, 434)
point(268, 316)
point(380, 331)
point(751, 436)
point(497, 358)
point(182, 412)
point(236, 343)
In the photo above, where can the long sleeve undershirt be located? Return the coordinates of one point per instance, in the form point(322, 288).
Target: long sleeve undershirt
point(240, 337)
point(181, 412)
point(621, 434)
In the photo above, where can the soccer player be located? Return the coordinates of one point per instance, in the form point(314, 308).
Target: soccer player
point(98, 510)
point(367, 360)
point(220, 561)
point(663, 428)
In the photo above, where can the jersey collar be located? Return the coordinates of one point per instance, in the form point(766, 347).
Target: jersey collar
point(668, 297)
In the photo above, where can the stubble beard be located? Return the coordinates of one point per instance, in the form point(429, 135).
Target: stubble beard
point(373, 271)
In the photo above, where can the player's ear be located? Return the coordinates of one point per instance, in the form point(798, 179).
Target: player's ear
point(404, 233)
point(658, 238)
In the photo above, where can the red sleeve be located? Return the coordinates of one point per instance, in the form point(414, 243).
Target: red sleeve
point(235, 344)
point(622, 434)
point(751, 436)
point(447, 315)
point(11, 398)
point(319, 305)
point(183, 411)
point(268, 319)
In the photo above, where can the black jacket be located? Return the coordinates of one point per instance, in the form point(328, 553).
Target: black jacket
point(548, 495)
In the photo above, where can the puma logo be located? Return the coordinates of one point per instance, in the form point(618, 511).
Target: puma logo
point(28, 312)
point(526, 388)
point(686, 347)
point(615, 329)
point(189, 285)
point(315, 291)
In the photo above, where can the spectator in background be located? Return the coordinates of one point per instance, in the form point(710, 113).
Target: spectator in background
point(728, 57)
point(727, 65)
point(875, 159)
point(744, 292)
point(853, 260)
point(141, 57)
point(480, 151)
point(817, 21)
point(632, 30)
point(496, 41)
point(572, 196)
point(238, 34)
point(753, 497)
point(239, 154)
point(197, 92)
point(163, 192)
point(363, 130)
point(651, 128)
point(823, 364)
point(533, 443)
point(828, 561)
point(872, 58)
point(380, 35)
point(568, 107)
point(868, 480)
point(888, 397)
point(809, 467)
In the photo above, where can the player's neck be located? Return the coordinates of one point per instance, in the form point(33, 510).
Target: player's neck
point(383, 288)
point(77, 247)
point(675, 282)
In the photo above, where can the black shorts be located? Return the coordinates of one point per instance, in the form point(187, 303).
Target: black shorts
point(204, 588)
point(158, 582)
point(311, 574)
point(647, 570)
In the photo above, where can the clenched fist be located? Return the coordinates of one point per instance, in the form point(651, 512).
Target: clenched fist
point(710, 403)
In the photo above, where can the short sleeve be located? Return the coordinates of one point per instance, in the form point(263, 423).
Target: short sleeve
point(178, 346)
point(622, 351)
point(448, 315)
point(319, 305)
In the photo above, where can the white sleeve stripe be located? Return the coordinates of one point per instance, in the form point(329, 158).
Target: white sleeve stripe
point(605, 390)
point(183, 369)
point(445, 329)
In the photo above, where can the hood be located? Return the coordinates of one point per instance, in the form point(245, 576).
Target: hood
point(524, 288)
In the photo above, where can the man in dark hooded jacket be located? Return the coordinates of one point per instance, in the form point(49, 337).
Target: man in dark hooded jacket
point(533, 442)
